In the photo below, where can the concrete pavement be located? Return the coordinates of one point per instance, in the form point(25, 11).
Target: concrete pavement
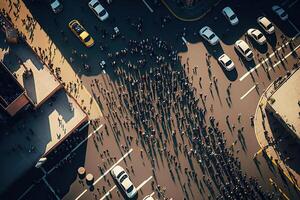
point(40, 42)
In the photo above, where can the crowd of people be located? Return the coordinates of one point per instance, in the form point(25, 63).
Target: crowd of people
point(156, 99)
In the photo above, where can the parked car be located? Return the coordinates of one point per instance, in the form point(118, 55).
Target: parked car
point(280, 12)
point(148, 197)
point(226, 62)
point(257, 36)
point(209, 35)
point(98, 9)
point(266, 24)
point(230, 16)
point(244, 49)
point(81, 33)
point(56, 6)
point(120, 175)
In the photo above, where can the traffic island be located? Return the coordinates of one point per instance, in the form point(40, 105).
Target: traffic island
point(277, 140)
point(190, 13)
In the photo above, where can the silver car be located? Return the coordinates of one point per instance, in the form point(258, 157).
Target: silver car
point(209, 35)
point(120, 175)
point(257, 36)
point(244, 49)
point(226, 62)
point(266, 24)
point(230, 16)
point(280, 12)
point(98, 9)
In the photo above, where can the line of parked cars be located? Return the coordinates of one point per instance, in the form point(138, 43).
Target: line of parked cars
point(240, 45)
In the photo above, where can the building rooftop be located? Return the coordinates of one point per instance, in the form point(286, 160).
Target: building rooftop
point(35, 77)
point(34, 134)
point(286, 102)
point(10, 90)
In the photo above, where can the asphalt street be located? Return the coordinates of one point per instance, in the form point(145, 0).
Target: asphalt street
point(221, 93)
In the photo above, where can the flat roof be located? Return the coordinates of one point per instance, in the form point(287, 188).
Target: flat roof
point(35, 133)
point(41, 84)
point(286, 102)
point(10, 90)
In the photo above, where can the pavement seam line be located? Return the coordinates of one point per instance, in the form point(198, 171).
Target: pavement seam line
point(107, 171)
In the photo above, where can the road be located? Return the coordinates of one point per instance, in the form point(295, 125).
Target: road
point(117, 142)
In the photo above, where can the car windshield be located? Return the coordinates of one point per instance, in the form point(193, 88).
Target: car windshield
point(211, 36)
point(232, 17)
point(120, 174)
point(259, 36)
point(283, 14)
point(250, 55)
point(228, 62)
point(96, 4)
point(269, 26)
point(247, 51)
point(123, 178)
point(87, 38)
point(130, 189)
point(102, 13)
point(77, 28)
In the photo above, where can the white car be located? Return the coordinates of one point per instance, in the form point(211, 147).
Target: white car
point(56, 6)
point(148, 197)
point(257, 36)
point(266, 24)
point(226, 62)
point(244, 49)
point(98, 9)
point(209, 35)
point(230, 15)
point(119, 174)
point(280, 12)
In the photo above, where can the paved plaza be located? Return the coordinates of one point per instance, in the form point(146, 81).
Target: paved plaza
point(162, 106)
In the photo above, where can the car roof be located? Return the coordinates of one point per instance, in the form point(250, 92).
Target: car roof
point(224, 58)
point(229, 12)
point(244, 46)
point(206, 31)
point(264, 21)
point(256, 32)
point(127, 183)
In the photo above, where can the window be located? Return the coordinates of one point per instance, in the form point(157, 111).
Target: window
point(120, 174)
point(123, 178)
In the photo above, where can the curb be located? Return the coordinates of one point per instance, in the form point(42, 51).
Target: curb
point(188, 19)
point(256, 132)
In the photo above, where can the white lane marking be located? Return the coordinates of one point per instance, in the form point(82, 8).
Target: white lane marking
point(265, 60)
point(143, 183)
point(26, 192)
point(147, 6)
point(53, 168)
point(90, 135)
point(152, 194)
point(105, 173)
point(88, 123)
point(248, 92)
point(49, 186)
point(285, 57)
point(184, 40)
point(107, 193)
point(294, 26)
point(293, 3)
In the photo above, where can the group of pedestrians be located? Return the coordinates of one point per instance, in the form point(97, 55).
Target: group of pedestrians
point(156, 99)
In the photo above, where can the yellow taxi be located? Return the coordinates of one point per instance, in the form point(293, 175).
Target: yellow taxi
point(81, 33)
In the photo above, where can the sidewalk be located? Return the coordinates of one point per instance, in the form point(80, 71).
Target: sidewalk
point(194, 13)
point(263, 130)
point(50, 55)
